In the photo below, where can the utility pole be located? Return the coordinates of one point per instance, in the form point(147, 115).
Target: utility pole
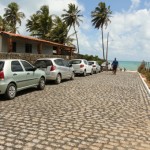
point(107, 52)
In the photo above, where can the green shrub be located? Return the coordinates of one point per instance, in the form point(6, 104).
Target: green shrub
point(141, 68)
point(94, 58)
point(148, 76)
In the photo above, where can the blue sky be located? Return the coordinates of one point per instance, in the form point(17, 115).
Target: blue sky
point(129, 28)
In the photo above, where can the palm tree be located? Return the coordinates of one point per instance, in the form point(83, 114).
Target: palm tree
point(101, 16)
point(72, 18)
point(12, 16)
point(59, 32)
point(4, 26)
point(1, 24)
point(40, 23)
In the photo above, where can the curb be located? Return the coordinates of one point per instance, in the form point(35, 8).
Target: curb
point(147, 88)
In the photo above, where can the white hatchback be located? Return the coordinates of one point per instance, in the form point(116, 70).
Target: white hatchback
point(55, 69)
point(95, 65)
point(81, 66)
point(103, 65)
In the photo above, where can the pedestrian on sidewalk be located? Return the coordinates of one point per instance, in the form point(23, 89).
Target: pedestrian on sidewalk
point(115, 66)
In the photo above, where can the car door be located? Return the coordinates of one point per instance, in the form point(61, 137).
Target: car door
point(18, 74)
point(88, 67)
point(61, 68)
point(31, 76)
point(97, 66)
point(67, 68)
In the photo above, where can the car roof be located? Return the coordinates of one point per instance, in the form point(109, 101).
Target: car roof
point(91, 61)
point(49, 58)
point(11, 59)
point(77, 59)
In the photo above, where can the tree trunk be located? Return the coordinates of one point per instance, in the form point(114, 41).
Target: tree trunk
point(103, 44)
point(107, 52)
point(76, 39)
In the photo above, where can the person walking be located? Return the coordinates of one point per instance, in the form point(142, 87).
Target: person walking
point(114, 66)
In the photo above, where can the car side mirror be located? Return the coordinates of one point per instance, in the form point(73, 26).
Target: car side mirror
point(34, 68)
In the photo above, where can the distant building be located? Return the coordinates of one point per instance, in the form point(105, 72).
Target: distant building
point(16, 43)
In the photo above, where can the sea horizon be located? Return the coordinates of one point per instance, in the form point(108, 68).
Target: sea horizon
point(130, 65)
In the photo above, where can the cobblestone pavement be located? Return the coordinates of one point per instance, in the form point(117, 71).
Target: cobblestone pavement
point(98, 112)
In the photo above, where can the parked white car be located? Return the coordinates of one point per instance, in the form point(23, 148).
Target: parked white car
point(81, 66)
point(55, 69)
point(95, 65)
point(103, 65)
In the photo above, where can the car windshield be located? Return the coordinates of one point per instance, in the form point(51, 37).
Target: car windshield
point(42, 63)
point(75, 62)
point(1, 65)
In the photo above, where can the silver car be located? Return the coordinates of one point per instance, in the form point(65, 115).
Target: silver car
point(56, 69)
point(16, 75)
point(104, 66)
point(95, 65)
point(81, 66)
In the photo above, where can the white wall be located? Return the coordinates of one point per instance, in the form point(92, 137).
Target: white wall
point(4, 44)
point(47, 49)
point(20, 46)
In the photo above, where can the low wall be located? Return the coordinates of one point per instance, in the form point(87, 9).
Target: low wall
point(33, 57)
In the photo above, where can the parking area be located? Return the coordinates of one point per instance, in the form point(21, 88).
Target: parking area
point(98, 112)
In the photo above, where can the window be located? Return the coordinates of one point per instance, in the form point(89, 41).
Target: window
point(16, 66)
point(27, 66)
point(1, 65)
point(85, 62)
point(28, 48)
point(59, 62)
point(14, 46)
point(43, 63)
point(66, 63)
point(75, 62)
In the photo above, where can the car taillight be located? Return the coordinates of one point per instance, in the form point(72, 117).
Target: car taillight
point(94, 65)
point(1, 75)
point(53, 68)
point(81, 66)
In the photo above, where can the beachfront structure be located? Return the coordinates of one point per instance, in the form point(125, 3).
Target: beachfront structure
point(16, 43)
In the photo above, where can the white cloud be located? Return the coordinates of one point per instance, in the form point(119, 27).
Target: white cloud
point(135, 4)
point(31, 6)
point(130, 34)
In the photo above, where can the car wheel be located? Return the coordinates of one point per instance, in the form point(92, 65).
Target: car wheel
point(11, 91)
point(84, 73)
point(72, 76)
point(41, 85)
point(58, 79)
point(91, 72)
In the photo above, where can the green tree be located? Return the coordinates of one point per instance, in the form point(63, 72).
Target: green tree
point(40, 23)
point(1, 24)
point(101, 16)
point(59, 32)
point(12, 16)
point(72, 18)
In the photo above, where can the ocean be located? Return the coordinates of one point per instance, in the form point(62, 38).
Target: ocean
point(129, 65)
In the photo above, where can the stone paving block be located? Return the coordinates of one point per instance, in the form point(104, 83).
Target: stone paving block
point(101, 112)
